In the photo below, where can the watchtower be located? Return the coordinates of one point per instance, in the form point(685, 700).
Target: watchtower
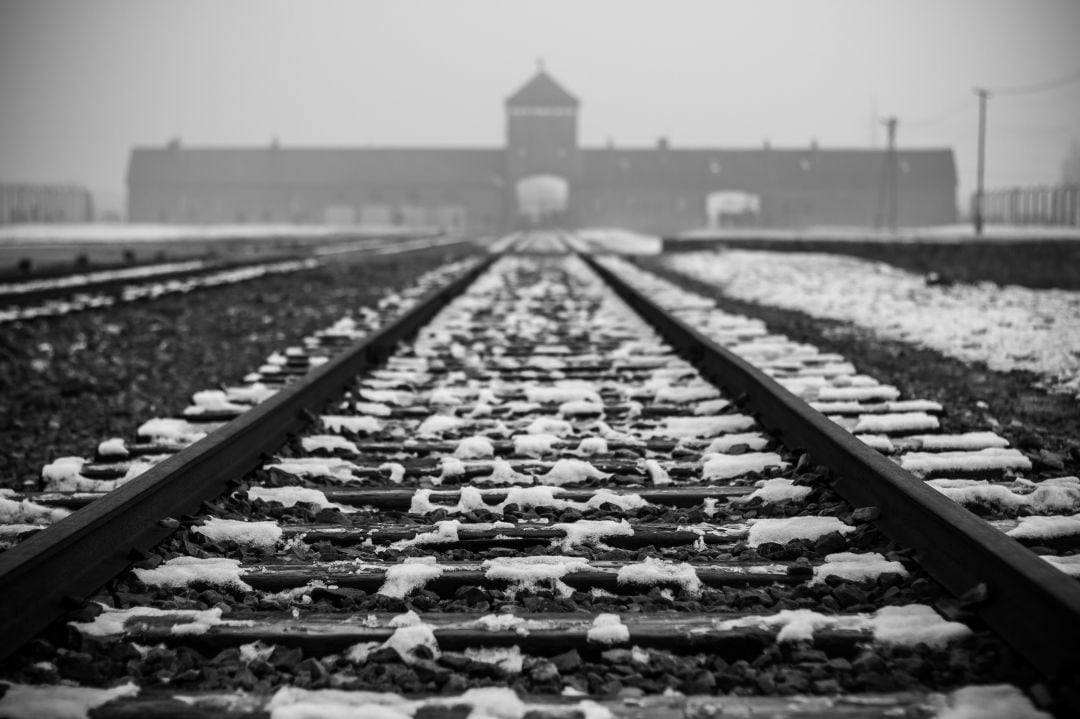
point(543, 163)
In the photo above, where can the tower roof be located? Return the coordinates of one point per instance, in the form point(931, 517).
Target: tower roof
point(542, 91)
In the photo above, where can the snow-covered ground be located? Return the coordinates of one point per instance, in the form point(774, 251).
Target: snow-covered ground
point(619, 241)
point(1006, 327)
point(941, 233)
point(125, 232)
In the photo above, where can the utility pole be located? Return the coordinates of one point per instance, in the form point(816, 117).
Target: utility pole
point(977, 211)
point(887, 188)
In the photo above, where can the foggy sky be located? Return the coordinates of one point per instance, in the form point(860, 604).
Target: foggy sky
point(82, 81)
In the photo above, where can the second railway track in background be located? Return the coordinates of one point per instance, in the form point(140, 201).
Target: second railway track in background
point(545, 490)
point(63, 294)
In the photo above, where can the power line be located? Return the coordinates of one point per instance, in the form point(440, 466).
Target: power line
point(1040, 86)
point(943, 115)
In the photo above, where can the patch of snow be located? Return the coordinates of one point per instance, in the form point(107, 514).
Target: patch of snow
point(913, 624)
point(729, 466)
point(184, 571)
point(905, 625)
point(965, 441)
point(657, 474)
point(561, 394)
point(111, 622)
point(290, 496)
point(534, 445)
point(407, 638)
point(14, 511)
point(1007, 327)
point(592, 445)
point(550, 426)
point(304, 467)
point(753, 440)
point(1046, 527)
point(502, 472)
point(529, 572)
point(509, 659)
point(253, 393)
point(450, 467)
point(171, 429)
point(590, 532)
point(687, 394)
point(993, 701)
point(22, 701)
point(568, 471)
point(581, 408)
point(857, 394)
point(395, 470)
point(374, 409)
point(608, 629)
point(654, 571)
point(214, 400)
point(711, 406)
point(784, 530)
point(253, 534)
point(387, 396)
point(922, 463)
point(444, 397)
point(476, 447)
point(114, 448)
point(880, 442)
point(1070, 565)
point(357, 425)
point(776, 490)
point(1057, 495)
point(895, 423)
point(412, 574)
point(328, 443)
point(62, 469)
point(856, 567)
point(705, 426)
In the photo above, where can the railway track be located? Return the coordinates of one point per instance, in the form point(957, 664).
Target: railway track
point(562, 496)
point(84, 291)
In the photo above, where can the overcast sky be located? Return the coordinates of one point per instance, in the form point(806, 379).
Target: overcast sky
point(82, 81)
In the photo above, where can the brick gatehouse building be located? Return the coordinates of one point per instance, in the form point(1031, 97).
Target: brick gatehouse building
point(540, 176)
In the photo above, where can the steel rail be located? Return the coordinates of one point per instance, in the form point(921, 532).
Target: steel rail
point(56, 569)
point(374, 246)
point(1032, 605)
point(115, 285)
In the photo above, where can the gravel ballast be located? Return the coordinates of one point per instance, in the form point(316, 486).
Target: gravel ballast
point(70, 382)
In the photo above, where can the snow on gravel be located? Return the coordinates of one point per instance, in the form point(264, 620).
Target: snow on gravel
point(59, 702)
point(1005, 327)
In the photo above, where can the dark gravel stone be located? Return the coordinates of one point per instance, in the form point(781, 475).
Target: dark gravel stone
point(384, 655)
point(567, 661)
point(616, 656)
point(544, 671)
point(865, 514)
point(1029, 441)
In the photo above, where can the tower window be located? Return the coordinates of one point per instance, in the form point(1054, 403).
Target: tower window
point(714, 167)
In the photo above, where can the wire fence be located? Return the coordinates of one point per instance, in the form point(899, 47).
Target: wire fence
point(1034, 206)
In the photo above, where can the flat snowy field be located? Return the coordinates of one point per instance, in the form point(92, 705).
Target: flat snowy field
point(1006, 328)
point(123, 232)
point(941, 233)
